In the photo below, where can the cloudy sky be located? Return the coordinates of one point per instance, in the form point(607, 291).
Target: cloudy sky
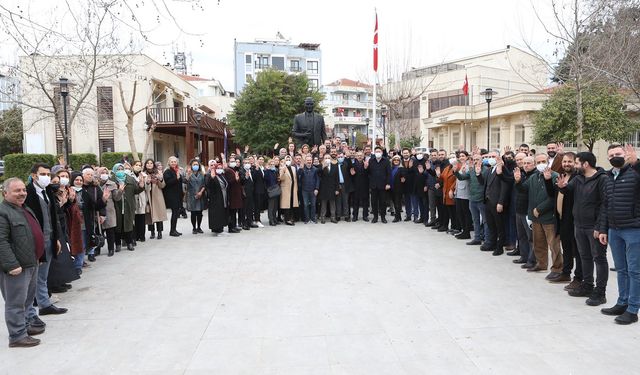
point(411, 33)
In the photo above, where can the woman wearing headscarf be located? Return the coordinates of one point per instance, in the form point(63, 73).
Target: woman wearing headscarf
point(196, 198)
point(124, 204)
point(156, 211)
point(289, 186)
point(141, 204)
point(109, 224)
point(173, 193)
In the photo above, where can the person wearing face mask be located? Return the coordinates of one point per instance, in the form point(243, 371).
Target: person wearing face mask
point(248, 186)
point(397, 179)
point(361, 187)
point(236, 199)
point(156, 211)
point(329, 185)
point(525, 170)
point(109, 214)
point(379, 171)
point(141, 204)
point(273, 190)
point(289, 187)
point(345, 187)
point(259, 190)
point(42, 203)
point(125, 204)
point(541, 211)
point(309, 181)
point(196, 198)
point(620, 228)
point(73, 214)
point(173, 193)
point(218, 207)
point(410, 200)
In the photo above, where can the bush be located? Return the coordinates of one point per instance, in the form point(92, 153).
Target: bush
point(78, 160)
point(108, 159)
point(19, 165)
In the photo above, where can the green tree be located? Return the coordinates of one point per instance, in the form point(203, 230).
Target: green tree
point(10, 131)
point(604, 116)
point(263, 114)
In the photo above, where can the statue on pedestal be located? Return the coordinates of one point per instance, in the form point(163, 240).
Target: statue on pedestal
point(308, 127)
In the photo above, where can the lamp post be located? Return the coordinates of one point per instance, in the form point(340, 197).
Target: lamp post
point(198, 118)
point(488, 96)
point(383, 113)
point(64, 92)
point(366, 120)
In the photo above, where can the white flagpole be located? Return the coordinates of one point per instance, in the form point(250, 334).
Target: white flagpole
point(375, 119)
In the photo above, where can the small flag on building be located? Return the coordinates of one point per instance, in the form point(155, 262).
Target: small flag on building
point(465, 86)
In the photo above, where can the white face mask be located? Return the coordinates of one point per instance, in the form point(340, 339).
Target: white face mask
point(453, 160)
point(541, 167)
point(288, 163)
point(64, 181)
point(44, 181)
point(419, 156)
point(247, 166)
point(327, 161)
point(378, 155)
point(104, 177)
point(77, 188)
point(492, 161)
point(232, 164)
point(219, 171)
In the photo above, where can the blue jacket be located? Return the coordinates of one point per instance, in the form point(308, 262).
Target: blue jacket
point(270, 177)
point(309, 179)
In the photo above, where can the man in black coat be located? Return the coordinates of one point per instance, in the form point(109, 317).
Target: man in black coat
point(379, 171)
point(497, 187)
point(248, 185)
point(259, 190)
point(360, 180)
point(42, 203)
point(345, 187)
point(329, 185)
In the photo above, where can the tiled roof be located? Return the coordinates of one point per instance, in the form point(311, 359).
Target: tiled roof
point(349, 82)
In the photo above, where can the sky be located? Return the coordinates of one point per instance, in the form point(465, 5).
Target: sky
point(411, 33)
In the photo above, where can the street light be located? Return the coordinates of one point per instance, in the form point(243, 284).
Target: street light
point(64, 92)
point(383, 113)
point(488, 96)
point(198, 117)
point(366, 120)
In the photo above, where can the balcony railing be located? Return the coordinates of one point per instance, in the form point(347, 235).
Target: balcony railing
point(262, 66)
point(296, 69)
point(184, 117)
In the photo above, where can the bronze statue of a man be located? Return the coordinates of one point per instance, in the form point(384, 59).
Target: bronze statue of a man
point(308, 127)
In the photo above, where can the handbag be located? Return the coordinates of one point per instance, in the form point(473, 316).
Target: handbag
point(97, 239)
point(274, 191)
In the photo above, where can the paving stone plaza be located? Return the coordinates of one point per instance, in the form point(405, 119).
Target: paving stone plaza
point(352, 298)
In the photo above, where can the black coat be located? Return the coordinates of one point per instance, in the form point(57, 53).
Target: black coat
point(346, 175)
point(33, 202)
point(398, 187)
point(248, 186)
point(588, 198)
point(218, 205)
point(328, 183)
point(622, 199)
point(173, 189)
point(360, 180)
point(497, 189)
point(379, 173)
point(258, 181)
point(410, 172)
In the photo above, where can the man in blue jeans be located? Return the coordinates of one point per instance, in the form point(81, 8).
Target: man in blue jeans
point(622, 220)
point(310, 183)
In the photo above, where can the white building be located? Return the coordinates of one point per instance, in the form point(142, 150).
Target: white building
point(348, 108)
point(250, 58)
point(163, 100)
point(9, 92)
point(211, 91)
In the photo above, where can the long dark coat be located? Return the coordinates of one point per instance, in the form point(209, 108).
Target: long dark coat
point(217, 204)
point(236, 200)
point(360, 180)
point(173, 189)
point(126, 216)
point(328, 183)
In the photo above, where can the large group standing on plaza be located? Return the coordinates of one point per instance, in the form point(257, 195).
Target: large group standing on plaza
point(528, 204)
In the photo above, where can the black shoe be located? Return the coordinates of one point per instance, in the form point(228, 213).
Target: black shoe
point(626, 318)
point(597, 298)
point(463, 236)
point(334, 221)
point(383, 220)
point(519, 261)
point(110, 253)
point(395, 220)
point(245, 227)
point(614, 310)
point(443, 229)
point(456, 232)
point(92, 258)
point(53, 310)
point(152, 236)
point(407, 219)
point(418, 221)
point(291, 223)
point(130, 247)
point(25, 342)
point(497, 252)
point(159, 235)
point(527, 266)
point(34, 331)
point(199, 230)
point(513, 253)
point(374, 220)
point(474, 242)
point(174, 234)
point(68, 286)
point(354, 219)
point(254, 226)
point(584, 290)
point(486, 247)
point(118, 248)
point(194, 231)
point(37, 322)
point(179, 234)
point(234, 230)
point(435, 227)
point(142, 239)
point(57, 289)
point(366, 218)
point(96, 252)
point(430, 224)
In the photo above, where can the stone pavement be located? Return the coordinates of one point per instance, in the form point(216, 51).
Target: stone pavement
point(322, 299)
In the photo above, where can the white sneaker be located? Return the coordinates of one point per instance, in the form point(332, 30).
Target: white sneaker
point(259, 224)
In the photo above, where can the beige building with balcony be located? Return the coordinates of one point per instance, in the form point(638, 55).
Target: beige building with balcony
point(348, 108)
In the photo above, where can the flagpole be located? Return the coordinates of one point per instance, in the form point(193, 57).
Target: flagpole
point(466, 104)
point(375, 81)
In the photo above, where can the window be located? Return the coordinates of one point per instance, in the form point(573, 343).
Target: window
point(455, 139)
point(495, 136)
point(295, 66)
point(247, 59)
point(634, 139)
point(444, 100)
point(105, 103)
point(345, 96)
point(441, 140)
point(519, 130)
point(313, 84)
point(106, 145)
point(277, 62)
point(262, 62)
point(312, 67)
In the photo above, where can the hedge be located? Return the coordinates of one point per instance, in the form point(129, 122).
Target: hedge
point(108, 159)
point(19, 165)
point(78, 160)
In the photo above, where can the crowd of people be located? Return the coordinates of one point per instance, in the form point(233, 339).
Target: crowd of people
point(558, 205)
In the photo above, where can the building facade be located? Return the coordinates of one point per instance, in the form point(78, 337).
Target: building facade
point(250, 58)
point(9, 92)
point(164, 101)
point(348, 108)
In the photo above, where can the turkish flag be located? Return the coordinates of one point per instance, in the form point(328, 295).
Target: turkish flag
point(375, 46)
point(465, 86)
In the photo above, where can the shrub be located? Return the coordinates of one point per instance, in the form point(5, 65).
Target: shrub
point(108, 159)
point(19, 165)
point(78, 160)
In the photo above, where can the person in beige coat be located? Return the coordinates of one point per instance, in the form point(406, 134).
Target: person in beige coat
point(289, 187)
point(109, 221)
point(156, 211)
point(141, 204)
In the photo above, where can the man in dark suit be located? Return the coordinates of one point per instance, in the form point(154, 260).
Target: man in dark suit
point(259, 190)
point(360, 187)
point(308, 127)
point(248, 185)
point(379, 171)
point(497, 187)
point(345, 187)
point(328, 189)
point(42, 203)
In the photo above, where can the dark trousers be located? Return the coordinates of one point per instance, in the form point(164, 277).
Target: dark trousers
point(360, 201)
point(110, 236)
point(592, 251)
point(272, 209)
point(463, 215)
point(249, 214)
point(408, 207)
point(258, 206)
point(525, 238)
point(158, 226)
point(323, 208)
point(126, 236)
point(495, 220)
point(448, 214)
point(175, 215)
point(378, 202)
point(196, 219)
point(396, 200)
point(235, 217)
point(139, 227)
point(570, 254)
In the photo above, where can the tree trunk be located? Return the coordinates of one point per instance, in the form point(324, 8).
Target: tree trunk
point(132, 141)
point(579, 116)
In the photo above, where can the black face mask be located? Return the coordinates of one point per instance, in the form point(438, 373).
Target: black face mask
point(53, 187)
point(511, 164)
point(552, 154)
point(617, 161)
